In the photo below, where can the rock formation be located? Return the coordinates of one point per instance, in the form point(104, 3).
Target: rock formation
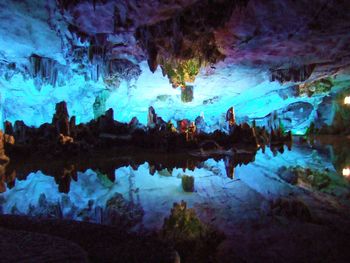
point(61, 119)
point(3, 157)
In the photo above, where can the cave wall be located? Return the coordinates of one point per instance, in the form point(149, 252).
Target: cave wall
point(76, 50)
point(249, 90)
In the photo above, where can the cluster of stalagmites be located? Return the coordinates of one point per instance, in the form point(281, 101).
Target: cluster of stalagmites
point(63, 136)
point(64, 139)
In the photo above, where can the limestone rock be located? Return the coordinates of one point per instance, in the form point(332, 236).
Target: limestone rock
point(45, 208)
point(9, 139)
point(65, 139)
point(187, 183)
point(3, 157)
point(291, 209)
point(8, 128)
point(72, 126)
point(43, 70)
point(122, 212)
point(295, 74)
point(61, 119)
point(288, 176)
point(106, 122)
point(20, 132)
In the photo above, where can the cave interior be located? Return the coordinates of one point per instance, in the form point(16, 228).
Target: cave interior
point(174, 130)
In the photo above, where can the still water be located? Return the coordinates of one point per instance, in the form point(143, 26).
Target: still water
point(230, 188)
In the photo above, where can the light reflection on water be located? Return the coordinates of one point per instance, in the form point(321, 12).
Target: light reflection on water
point(145, 191)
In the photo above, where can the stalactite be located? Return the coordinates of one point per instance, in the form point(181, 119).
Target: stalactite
point(43, 70)
point(96, 53)
point(187, 94)
point(180, 72)
point(186, 36)
point(95, 72)
point(82, 36)
point(294, 74)
point(116, 70)
point(152, 57)
point(96, 57)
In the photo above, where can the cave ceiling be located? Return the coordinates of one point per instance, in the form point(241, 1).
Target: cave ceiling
point(277, 35)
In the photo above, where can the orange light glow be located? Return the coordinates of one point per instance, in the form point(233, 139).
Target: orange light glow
point(346, 172)
point(347, 100)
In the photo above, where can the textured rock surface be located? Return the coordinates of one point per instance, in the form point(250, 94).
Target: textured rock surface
point(258, 56)
point(122, 213)
point(60, 119)
point(4, 139)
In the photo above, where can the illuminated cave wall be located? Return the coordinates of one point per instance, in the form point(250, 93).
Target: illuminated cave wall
point(249, 90)
point(31, 85)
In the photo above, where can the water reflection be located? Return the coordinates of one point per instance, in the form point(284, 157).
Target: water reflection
point(140, 188)
point(66, 171)
point(339, 151)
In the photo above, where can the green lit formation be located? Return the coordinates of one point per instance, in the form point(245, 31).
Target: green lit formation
point(180, 72)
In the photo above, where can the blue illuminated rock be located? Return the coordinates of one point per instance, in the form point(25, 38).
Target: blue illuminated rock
point(230, 52)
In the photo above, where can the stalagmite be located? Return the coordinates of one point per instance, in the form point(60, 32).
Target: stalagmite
point(61, 119)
